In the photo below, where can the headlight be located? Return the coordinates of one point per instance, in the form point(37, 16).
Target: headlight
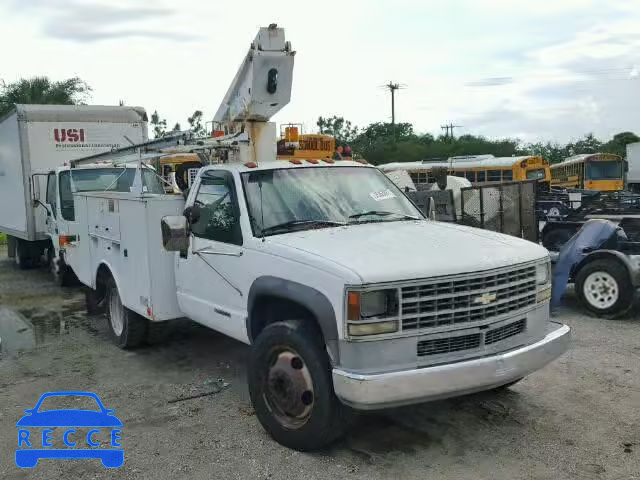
point(372, 312)
point(543, 273)
point(369, 305)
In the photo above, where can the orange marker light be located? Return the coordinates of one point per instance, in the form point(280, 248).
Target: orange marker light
point(65, 240)
point(313, 160)
point(251, 164)
point(353, 306)
point(295, 161)
point(328, 160)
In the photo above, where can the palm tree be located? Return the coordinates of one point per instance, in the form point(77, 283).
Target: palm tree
point(42, 90)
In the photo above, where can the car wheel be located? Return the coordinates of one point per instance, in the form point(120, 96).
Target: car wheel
point(291, 387)
point(603, 287)
point(128, 329)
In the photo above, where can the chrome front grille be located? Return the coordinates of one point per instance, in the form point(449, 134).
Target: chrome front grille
point(437, 346)
point(467, 298)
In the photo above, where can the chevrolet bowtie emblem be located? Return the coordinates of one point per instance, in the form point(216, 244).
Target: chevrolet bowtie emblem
point(485, 299)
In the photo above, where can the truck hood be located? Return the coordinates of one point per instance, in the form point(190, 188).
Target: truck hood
point(406, 250)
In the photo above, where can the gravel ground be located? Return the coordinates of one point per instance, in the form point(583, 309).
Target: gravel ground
point(577, 418)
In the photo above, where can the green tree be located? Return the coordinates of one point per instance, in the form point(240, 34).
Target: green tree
point(618, 144)
point(195, 124)
point(339, 128)
point(552, 152)
point(176, 127)
point(159, 125)
point(42, 90)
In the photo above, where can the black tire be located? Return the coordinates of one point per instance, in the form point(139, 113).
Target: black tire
point(623, 288)
point(95, 301)
point(133, 326)
point(555, 239)
point(22, 257)
point(62, 275)
point(326, 420)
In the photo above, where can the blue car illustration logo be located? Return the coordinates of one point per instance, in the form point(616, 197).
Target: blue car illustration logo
point(33, 446)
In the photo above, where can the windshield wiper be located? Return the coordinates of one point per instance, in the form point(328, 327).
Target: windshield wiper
point(380, 213)
point(286, 226)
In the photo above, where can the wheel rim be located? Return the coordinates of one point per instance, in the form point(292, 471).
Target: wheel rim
point(554, 212)
point(601, 290)
point(289, 388)
point(115, 313)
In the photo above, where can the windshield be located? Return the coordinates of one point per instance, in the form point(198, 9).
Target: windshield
point(316, 197)
point(536, 174)
point(111, 179)
point(65, 402)
point(608, 170)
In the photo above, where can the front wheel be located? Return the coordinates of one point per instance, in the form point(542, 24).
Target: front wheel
point(62, 275)
point(604, 288)
point(291, 387)
point(128, 329)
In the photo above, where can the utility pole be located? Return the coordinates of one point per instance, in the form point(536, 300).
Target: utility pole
point(392, 87)
point(448, 128)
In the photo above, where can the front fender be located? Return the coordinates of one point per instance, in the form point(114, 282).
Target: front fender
point(310, 298)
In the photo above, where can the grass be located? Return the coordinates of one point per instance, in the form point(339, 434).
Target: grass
point(3, 239)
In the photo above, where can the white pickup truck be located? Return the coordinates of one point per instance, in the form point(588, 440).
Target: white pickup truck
point(348, 296)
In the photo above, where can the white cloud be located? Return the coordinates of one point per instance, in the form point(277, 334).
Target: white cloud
point(484, 64)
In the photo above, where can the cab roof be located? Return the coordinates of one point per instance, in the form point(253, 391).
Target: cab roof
point(284, 164)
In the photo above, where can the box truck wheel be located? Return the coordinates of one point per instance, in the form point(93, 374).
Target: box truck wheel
point(22, 256)
point(291, 388)
point(128, 329)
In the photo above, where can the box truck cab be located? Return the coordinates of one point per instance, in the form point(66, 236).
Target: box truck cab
point(35, 139)
point(61, 223)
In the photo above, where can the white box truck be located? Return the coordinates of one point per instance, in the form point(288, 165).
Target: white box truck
point(34, 139)
point(633, 163)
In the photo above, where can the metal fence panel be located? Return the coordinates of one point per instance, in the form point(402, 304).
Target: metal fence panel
point(507, 208)
point(511, 219)
point(528, 216)
point(443, 203)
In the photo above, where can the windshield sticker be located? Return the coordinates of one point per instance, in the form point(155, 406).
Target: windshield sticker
point(382, 195)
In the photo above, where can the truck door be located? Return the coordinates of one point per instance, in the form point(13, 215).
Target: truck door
point(52, 204)
point(207, 275)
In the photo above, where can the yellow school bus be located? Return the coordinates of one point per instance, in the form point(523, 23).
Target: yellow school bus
point(478, 169)
point(604, 172)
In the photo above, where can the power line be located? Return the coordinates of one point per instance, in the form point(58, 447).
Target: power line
point(392, 87)
point(448, 128)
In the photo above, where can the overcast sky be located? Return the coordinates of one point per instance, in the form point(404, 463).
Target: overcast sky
point(536, 70)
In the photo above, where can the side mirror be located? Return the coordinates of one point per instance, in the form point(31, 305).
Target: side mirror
point(37, 202)
point(192, 214)
point(175, 233)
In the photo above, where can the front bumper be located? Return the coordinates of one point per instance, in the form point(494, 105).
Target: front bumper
point(369, 392)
